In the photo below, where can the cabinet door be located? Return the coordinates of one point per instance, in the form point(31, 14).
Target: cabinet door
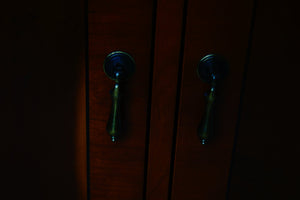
point(219, 27)
point(116, 170)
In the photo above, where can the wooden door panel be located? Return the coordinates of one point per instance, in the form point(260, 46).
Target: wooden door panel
point(117, 170)
point(167, 59)
point(201, 171)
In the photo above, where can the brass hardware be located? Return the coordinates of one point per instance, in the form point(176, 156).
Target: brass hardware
point(118, 66)
point(211, 69)
point(205, 129)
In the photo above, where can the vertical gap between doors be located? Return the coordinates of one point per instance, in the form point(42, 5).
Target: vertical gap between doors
point(178, 93)
point(247, 60)
point(154, 13)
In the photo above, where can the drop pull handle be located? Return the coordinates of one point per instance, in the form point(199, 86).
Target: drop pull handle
point(211, 69)
point(118, 66)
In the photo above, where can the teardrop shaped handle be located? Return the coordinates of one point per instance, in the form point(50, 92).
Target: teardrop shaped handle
point(211, 69)
point(118, 66)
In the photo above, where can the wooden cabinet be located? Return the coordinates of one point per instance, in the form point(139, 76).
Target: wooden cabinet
point(160, 156)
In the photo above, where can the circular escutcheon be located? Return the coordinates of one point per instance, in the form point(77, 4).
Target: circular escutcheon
point(121, 63)
point(212, 65)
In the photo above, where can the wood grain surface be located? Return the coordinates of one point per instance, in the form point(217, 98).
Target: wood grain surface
point(117, 170)
point(201, 172)
point(167, 58)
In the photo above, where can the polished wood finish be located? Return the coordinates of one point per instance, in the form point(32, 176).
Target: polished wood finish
point(201, 172)
point(43, 146)
point(117, 169)
point(266, 162)
point(167, 58)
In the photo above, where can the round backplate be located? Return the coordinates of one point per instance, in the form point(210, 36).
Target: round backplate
point(212, 65)
point(119, 62)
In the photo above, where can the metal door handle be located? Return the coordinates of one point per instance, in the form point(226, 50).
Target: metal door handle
point(211, 69)
point(118, 66)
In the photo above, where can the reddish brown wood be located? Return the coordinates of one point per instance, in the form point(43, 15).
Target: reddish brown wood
point(117, 170)
point(266, 163)
point(165, 73)
point(201, 172)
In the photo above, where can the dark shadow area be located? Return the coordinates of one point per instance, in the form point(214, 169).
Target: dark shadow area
point(42, 52)
point(266, 156)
